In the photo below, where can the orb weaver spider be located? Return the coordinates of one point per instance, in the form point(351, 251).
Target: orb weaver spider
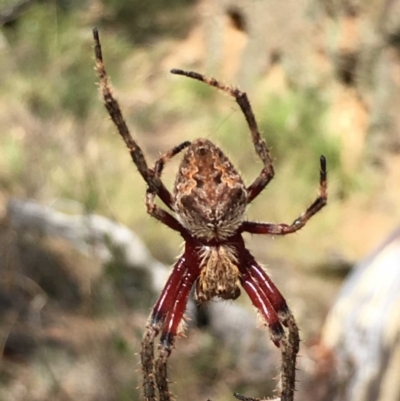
point(209, 202)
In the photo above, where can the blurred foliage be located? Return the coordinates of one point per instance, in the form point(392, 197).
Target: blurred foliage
point(12, 162)
point(144, 21)
point(295, 127)
point(296, 121)
point(51, 64)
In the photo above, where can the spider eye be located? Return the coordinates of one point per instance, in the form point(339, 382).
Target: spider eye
point(202, 151)
point(189, 203)
point(237, 195)
point(218, 178)
point(199, 182)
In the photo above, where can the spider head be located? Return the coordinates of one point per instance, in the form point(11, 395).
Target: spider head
point(210, 197)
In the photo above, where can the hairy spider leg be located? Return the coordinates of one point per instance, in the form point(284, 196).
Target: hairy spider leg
point(270, 290)
point(161, 214)
point(170, 330)
point(152, 208)
point(262, 304)
point(115, 113)
point(154, 324)
point(267, 173)
point(289, 350)
point(166, 157)
point(289, 344)
point(300, 222)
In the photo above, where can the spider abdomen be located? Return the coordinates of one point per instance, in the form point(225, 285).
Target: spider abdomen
point(219, 274)
point(210, 197)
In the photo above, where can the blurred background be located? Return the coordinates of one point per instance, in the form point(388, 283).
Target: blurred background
point(81, 263)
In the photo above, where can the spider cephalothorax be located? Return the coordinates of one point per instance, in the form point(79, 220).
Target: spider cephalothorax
point(210, 197)
point(209, 201)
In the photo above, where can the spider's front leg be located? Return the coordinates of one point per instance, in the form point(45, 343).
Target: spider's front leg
point(152, 207)
point(300, 222)
point(114, 110)
point(267, 173)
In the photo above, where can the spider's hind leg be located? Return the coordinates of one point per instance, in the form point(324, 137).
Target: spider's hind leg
point(147, 360)
point(290, 344)
point(172, 327)
point(154, 325)
point(273, 307)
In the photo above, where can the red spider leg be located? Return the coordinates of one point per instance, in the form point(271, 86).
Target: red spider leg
point(154, 324)
point(263, 305)
point(269, 288)
point(171, 330)
point(288, 345)
point(171, 289)
point(300, 222)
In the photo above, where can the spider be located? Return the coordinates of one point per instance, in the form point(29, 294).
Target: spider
point(209, 202)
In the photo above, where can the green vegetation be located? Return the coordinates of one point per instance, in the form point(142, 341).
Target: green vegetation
point(296, 121)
